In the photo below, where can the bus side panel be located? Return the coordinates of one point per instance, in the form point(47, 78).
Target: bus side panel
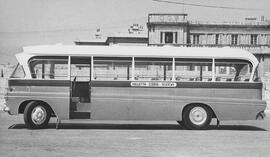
point(167, 103)
point(122, 103)
point(237, 104)
point(54, 92)
point(230, 101)
point(227, 103)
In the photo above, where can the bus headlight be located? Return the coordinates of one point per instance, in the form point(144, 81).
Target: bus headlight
point(4, 104)
point(6, 109)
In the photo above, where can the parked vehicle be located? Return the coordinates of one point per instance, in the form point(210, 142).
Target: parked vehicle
point(187, 85)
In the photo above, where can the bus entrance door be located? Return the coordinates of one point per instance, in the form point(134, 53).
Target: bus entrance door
point(80, 107)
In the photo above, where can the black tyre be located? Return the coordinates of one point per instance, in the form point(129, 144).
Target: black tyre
point(36, 115)
point(197, 117)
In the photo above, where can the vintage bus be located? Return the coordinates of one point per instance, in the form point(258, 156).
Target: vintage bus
point(188, 85)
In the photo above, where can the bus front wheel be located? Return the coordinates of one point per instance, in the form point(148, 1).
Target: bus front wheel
point(197, 117)
point(36, 115)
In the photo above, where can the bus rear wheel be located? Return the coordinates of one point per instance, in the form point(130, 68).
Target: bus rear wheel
point(197, 117)
point(36, 115)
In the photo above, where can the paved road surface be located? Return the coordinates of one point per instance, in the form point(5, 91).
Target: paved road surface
point(138, 139)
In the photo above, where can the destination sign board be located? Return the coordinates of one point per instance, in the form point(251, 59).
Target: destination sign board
point(153, 84)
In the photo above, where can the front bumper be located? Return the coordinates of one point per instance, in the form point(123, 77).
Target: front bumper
point(5, 108)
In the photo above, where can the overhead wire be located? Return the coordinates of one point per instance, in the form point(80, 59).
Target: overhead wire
point(211, 6)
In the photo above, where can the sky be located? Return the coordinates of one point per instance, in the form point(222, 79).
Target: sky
point(39, 22)
point(113, 15)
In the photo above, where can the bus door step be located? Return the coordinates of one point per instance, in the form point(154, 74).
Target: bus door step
point(80, 115)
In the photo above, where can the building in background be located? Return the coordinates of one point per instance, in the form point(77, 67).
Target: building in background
point(174, 29)
point(252, 34)
point(134, 36)
point(119, 39)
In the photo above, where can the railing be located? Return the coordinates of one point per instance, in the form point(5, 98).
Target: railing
point(256, 49)
point(180, 18)
point(214, 45)
point(255, 23)
point(167, 18)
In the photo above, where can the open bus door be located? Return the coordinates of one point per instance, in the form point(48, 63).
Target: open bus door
point(80, 107)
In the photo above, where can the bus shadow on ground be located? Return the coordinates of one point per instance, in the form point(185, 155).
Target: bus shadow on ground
point(109, 126)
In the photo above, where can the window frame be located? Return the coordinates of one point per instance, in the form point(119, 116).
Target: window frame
point(196, 39)
point(14, 71)
point(77, 60)
point(234, 39)
point(236, 61)
point(195, 62)
point(173, 60)
point(217, 39)
point(156, 59)
point(47, 58)
point(169, 36)
point(104, 58)
point(254, 39)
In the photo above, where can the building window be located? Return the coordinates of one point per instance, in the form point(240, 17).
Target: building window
point(161, 37)
point(253, 39)
point(217, 38)
point(168, 37)
point(196, 38)
point(234, 39)
point(176, 37)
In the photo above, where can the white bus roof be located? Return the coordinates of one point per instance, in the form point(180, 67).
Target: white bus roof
point(137, 51)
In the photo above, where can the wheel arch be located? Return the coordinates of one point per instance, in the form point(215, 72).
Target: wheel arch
point(23, 105)
point(214, 115)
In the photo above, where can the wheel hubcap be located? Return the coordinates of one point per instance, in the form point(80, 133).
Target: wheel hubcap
point(198, 115)
point(39, 115)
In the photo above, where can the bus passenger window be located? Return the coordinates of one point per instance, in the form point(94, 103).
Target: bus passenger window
point(245, 72)
point(80, 71)
point(112, 68)
point(233, 70)
point(193, 70)
point(49, 68)
point(155, 69)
